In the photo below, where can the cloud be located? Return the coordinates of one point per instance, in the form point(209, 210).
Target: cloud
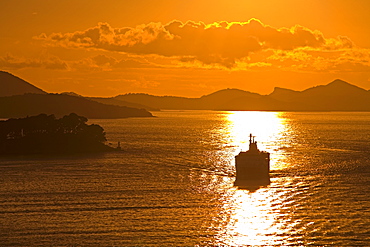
point(341, 42)
point(142, 82)
point(347, 60)
point(105, 37)
point(219, 44)
point(103, 62)
point(95, 63)
point(50, 62)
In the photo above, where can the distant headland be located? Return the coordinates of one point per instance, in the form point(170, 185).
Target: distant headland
point(45, 134)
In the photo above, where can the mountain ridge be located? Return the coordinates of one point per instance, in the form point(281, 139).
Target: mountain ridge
point(12, 85)
point(337, 95)
point(19, 98)
point(60, 105)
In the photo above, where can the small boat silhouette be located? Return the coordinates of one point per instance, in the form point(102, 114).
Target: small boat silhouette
point(252, 166)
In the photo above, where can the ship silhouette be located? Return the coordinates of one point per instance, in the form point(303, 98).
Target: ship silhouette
point(252, 167)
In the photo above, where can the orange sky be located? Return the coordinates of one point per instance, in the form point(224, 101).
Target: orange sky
point(184, 48)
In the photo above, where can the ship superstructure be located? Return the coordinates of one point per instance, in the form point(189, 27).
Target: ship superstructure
point(252, 166)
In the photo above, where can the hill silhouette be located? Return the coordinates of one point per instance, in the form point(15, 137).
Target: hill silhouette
point(45, 134)
point(213, 101)
point(12, 85)
point(113, 101)
point(61, 104)
point(19, 98)
point(335, 96)
point(160, 102)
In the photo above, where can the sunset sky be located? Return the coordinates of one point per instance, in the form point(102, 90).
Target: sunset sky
point(184, 48)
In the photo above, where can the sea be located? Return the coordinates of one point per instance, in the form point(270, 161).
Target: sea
point(173, 184)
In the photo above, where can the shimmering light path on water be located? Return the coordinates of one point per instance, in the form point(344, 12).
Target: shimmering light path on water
point(173, 184)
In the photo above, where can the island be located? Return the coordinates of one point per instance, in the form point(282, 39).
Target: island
point(46, 134)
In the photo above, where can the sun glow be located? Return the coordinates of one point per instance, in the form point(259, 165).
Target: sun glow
point(251, 215)
point(270, 128)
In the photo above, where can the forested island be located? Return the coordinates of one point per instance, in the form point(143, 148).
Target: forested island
point(46, 134)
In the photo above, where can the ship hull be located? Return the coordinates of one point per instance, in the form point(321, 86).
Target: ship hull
point(252, 169)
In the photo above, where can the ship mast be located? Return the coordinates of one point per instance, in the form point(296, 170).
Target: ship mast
point(252, 143)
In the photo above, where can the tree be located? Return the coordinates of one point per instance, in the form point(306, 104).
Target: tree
point(45, 133)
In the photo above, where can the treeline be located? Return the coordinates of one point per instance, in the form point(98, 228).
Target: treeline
point(47, 134)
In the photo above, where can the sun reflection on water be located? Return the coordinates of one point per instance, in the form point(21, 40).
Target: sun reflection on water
point(252, 220)
point(253, 216)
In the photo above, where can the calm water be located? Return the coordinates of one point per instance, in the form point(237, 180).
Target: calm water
point(173, 185)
